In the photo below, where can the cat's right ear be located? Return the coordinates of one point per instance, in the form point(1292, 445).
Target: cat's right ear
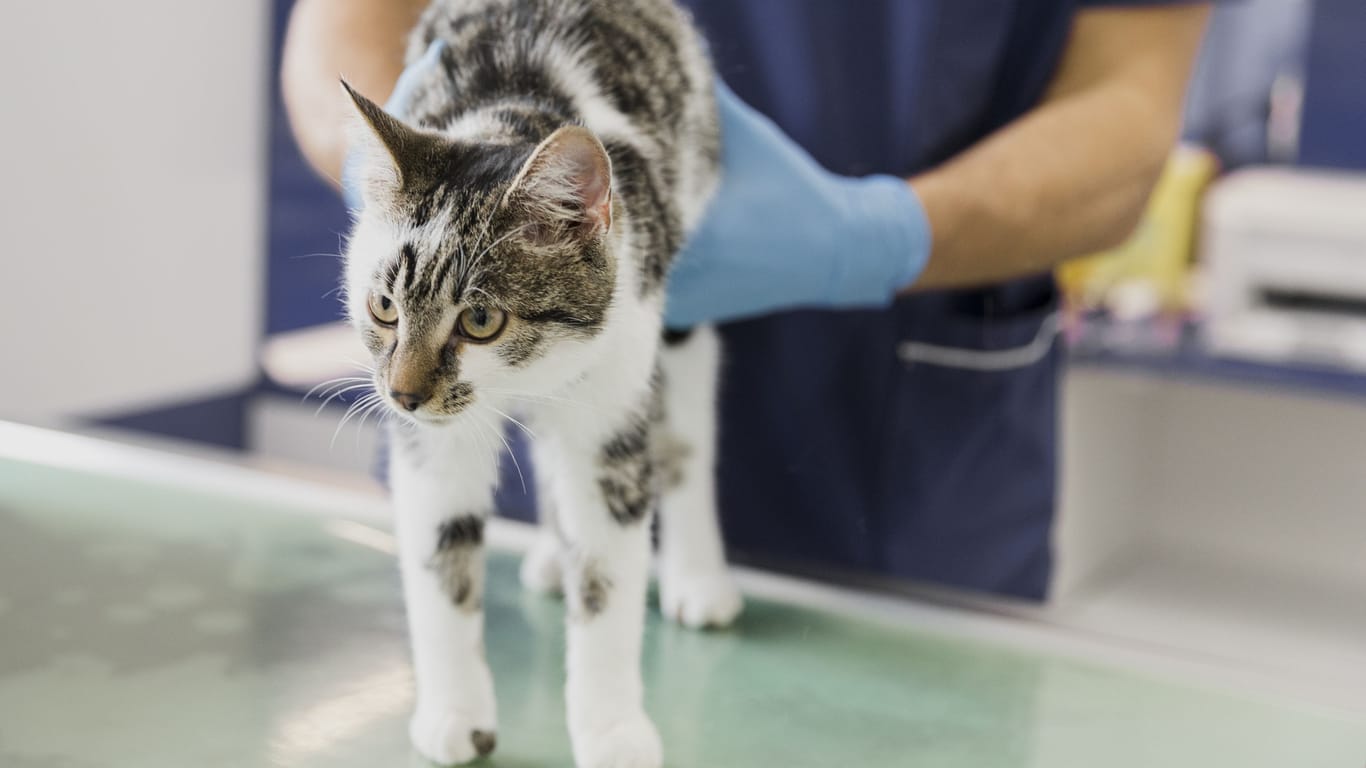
point(388, 154)
point(566, 186)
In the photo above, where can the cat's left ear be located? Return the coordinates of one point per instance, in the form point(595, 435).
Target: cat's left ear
point(567, 184)
point(390, 154)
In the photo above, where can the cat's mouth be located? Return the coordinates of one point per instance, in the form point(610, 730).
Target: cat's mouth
point(431, 406)
point(449, 412)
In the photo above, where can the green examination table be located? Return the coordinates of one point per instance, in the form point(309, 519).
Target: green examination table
point(159, 611)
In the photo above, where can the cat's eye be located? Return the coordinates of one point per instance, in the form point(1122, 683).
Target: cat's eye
point(481, 324)
point(383, 309)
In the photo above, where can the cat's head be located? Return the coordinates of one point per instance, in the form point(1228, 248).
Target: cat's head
point(477, 267)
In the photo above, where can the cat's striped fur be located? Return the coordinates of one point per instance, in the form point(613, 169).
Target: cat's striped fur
point(544, 175)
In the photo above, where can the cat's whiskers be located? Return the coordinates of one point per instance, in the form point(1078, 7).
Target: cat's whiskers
point(524, 427)
point(327, 387)
point(499, 434)
point(479, 427)
point(334, 388)
point(333, 382)
point(377, 407)
point(339, 393)
point(477, 290)
point(360, 364)
point(539, 398)
point(385, 417)
point(361, 367)
point(364, 402)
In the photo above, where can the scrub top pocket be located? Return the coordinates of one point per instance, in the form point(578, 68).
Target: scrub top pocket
point(969, 479)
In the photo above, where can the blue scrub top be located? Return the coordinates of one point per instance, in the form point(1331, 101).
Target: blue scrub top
point(917, 442)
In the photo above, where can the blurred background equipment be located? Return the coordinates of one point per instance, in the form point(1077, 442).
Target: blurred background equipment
point(1285, 255)
point(1150, 273)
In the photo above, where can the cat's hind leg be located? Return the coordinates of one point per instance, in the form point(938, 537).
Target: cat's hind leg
point(542, 570)
point(443, 484)
point(696, 588)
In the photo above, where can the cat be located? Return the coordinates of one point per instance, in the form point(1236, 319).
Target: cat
point(518, 228)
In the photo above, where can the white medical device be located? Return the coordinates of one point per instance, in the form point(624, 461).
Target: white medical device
point(1285, 257)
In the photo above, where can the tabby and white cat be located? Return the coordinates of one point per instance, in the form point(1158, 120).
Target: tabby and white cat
point(511, 257)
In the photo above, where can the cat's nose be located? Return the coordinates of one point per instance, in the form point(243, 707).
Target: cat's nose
point(409, 401)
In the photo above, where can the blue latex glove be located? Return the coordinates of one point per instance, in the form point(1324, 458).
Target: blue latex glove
point(397, 105)
point(782, 232)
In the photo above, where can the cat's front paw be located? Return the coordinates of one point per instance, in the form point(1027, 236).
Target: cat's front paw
point(629, 743)
point(699, 598)
point(448, 738)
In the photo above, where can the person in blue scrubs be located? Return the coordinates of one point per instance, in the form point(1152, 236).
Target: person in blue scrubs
point(901, 177)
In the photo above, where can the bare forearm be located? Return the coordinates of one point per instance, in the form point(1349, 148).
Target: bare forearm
point(1068, 180)
point(1071, 177)
point(362, 40)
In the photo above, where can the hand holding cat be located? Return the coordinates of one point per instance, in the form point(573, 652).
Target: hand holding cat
point(784, 233)
point(397, 105)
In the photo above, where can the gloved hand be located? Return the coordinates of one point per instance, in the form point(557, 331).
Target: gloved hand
point(397, 105)
point(782, 232)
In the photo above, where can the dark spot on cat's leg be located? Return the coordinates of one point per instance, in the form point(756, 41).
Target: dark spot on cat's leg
point(459, 561)
point(484, 742)
point(594, 588)
point(460, 531)
point(627, 501)
point(626, 473)
point(589, 588)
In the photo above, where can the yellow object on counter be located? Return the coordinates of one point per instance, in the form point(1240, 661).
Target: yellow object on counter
point(1155, 262)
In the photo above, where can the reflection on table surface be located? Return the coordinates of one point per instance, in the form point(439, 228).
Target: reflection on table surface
point(149, 624)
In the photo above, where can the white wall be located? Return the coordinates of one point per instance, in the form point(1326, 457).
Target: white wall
point(1245, 474)
point(1221, 519)
point(131, 201)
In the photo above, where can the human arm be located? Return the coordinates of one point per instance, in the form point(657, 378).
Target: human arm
point(363, 40)
point(1072, 176)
